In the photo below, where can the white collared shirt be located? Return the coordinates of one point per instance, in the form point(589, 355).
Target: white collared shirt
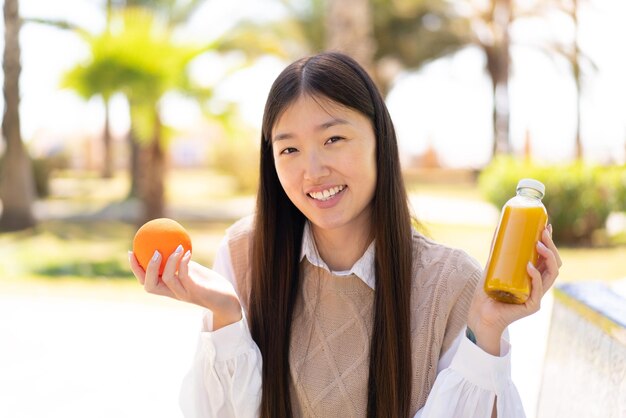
point(363, 268)
point(225, 377)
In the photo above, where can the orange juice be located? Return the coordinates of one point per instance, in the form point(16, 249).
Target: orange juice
point(523, 219)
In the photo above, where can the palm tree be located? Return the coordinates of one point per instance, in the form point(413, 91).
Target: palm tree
point(174, 13)
point(302, 32)
point(488, 30)
point(485, 25)
point(141, 60)
point(104, 74)
point(410, 34)
point(17, 189)
point(406, 35)
point(385, 37)
point(577, 61)
point(161, 67)
point(88, 88)
point(497, 51)
point(101, 77)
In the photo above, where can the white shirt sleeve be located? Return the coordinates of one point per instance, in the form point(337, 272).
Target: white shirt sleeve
point(225, 377)
point(468, 381)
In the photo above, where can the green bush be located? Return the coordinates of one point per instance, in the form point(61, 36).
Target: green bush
point(579, 197)
point(616, 178)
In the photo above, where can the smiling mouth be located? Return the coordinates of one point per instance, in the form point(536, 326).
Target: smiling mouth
point(327, 194)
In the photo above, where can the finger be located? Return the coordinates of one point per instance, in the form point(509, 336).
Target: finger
point(550, 269)
point(136, 268)
point(169, 274)
point(546, 238)
point(185, 282)
point(152, 272)
point(548, 257)
point(183, 268)
point(152, 284)
point(171, 264)
point(533, 303)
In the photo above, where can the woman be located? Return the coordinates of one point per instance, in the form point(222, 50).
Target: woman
point(327, 302)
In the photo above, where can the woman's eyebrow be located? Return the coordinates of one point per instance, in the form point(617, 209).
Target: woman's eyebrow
point(282, 136)
point(320, 127)
point(332, 122)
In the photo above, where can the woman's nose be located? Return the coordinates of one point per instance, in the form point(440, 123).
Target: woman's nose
point(316, 167)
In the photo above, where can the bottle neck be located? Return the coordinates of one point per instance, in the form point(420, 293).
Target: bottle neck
point(528, 192)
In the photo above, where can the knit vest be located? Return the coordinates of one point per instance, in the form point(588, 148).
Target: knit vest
point(332, 324)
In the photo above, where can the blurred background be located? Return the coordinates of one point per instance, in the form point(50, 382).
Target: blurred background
point(116, 112)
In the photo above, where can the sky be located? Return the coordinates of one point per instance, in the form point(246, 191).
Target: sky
point(446, 104)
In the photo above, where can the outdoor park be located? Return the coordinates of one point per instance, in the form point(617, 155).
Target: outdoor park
point(118, 112)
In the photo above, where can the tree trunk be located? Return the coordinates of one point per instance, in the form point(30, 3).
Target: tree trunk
point(107, 164)
point(152, 178)
point(134, 163)
point(577, 80)
point(349, 29)
point(578, 139)
point(17, 189)
point(107, 141)
point(498, 61)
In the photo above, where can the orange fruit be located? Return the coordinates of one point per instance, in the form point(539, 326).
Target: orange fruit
point(163, 235)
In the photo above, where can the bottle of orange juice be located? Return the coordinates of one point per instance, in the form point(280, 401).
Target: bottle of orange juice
point(522, 221)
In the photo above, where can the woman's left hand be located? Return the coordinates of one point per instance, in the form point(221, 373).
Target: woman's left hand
point(488, 318)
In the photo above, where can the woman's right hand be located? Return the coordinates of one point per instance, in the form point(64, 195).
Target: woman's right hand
point(190, 282)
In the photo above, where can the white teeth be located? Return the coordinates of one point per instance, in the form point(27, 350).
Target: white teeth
point(326, 194)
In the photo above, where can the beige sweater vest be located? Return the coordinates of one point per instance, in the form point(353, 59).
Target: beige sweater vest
point(332, 325)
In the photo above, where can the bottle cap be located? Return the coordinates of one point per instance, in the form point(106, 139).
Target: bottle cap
point(532, 184)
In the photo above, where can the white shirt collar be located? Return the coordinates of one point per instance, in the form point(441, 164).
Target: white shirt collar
point(363, 268)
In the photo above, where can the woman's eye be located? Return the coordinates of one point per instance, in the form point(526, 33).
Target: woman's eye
point(334, 139)
point(288, 150)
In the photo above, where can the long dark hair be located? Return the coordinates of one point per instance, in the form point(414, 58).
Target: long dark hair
point(278, 237)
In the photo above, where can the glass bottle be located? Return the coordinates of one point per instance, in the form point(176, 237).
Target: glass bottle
point(522, 221)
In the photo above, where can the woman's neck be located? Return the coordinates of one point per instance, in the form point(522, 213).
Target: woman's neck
point(342, 247)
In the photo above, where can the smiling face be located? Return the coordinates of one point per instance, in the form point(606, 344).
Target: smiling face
point(325, 158)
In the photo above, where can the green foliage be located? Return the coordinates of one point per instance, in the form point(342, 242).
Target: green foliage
point(112, 268)
point(415, 32)
point(579, 197)
point(616, 179)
